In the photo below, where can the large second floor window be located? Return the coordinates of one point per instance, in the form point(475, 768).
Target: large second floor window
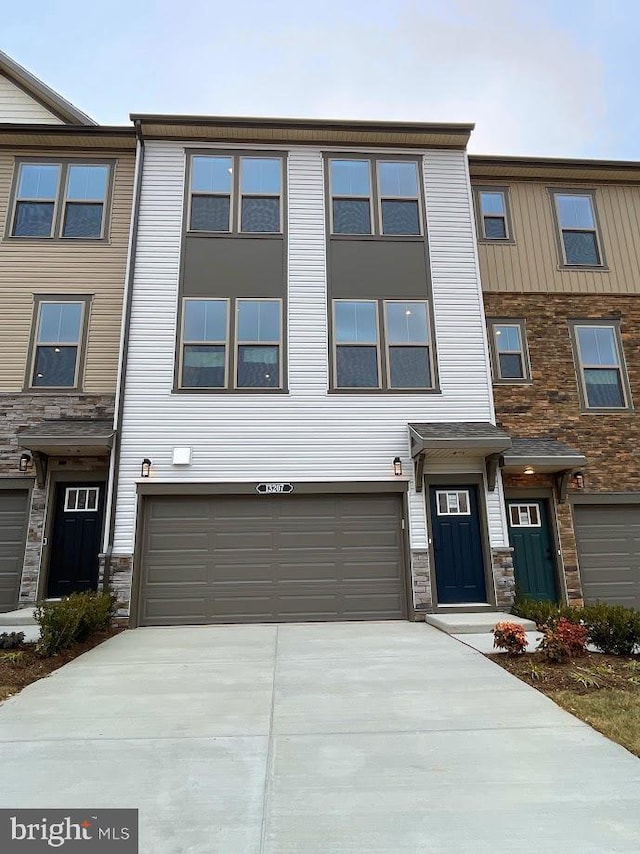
point(231, 344)
point(600, 365)
point(371, 196)
point(382, 344)
point(235, 194)
point(578, 232)
point(57, 343)
point(64, 200)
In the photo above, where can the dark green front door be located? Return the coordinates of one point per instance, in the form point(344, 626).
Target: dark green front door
point(533, 559)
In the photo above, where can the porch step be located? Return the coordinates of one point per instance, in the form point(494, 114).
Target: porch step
point(21, 617)
point(475, 624)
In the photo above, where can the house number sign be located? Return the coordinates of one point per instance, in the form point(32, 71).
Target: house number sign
point(274, 488)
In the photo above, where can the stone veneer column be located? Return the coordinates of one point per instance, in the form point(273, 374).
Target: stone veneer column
point(120, 576)
point(33, 550)
point(503, 577)
point(421, 580)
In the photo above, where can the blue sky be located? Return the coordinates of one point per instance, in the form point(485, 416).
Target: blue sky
point(550, 77)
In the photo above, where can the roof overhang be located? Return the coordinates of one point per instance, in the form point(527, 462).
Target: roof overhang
point(458, 438)
point(274, 131)
point(42, 93)
point(553, 169)
point(66, 136)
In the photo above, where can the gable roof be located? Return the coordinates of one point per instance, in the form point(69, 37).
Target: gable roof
point(40, 92)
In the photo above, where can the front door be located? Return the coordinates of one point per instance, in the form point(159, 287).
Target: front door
point(533, 561)
point(75, 542)
point(457, 545)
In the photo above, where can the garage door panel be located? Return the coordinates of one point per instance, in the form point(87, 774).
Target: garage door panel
point(13, 524)
point(608, 538)
point(272, 558)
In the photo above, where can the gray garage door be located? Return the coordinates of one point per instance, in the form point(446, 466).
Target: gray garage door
point(252, 559)
point(609, 552)
point(13, 525)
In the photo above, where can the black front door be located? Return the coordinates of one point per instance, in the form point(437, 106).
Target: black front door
point(75, 542)
point(457, 545)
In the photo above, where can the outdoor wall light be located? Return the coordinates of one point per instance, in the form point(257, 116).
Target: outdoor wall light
point(146, 467)
point(397, 466)
point(529, 470)
point(578, 480)
point(25, 462)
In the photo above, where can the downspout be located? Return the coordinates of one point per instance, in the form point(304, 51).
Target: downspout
point(114, 467)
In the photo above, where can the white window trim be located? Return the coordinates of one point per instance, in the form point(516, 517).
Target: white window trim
point(456, 511)
point(522, 509)
point(95, 490)
point(184, 342)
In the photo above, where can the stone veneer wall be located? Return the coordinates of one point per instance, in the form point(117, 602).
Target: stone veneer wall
point(19, 412)
point(120, 580)
point(549, 407)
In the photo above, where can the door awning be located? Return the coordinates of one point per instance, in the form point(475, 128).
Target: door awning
point(71, 437)
point(545, 456)
point(458, 438)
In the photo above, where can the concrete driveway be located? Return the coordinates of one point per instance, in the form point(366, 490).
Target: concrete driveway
point(343, 737)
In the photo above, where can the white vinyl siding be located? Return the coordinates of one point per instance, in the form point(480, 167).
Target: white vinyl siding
point(307, 434)
point(17, 107)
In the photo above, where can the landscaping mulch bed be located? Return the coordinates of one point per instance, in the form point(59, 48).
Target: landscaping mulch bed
point(22, 666)
point(602, 690)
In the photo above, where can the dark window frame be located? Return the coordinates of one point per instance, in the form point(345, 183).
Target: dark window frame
point(375, 198)
point(231, 349)
point(478, 189)
point(236, 196)
point(382, 350)
point(38, 300)
point(563, 264)
point(521, 323)
point(61, 202)
point(614, 325)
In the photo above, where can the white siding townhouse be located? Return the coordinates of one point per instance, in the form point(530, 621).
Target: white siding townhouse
point(305, 426)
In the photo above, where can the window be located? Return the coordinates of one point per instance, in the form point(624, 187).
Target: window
point(492, 213)
point(371, 196)
point(65, 200)
point(524, 516)
point(578, 232)
point(603, 380)
point(57, 344)
point(359, 327)
point(204, 343)
point(454, 503)
point(81, 499)
point(407, 336)
point(213, 349)
point(258, 343)
point(231, 194)
point(510, 362)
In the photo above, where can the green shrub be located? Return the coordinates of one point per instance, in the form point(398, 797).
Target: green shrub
point(544, 613)
point(614, 629)
point(72, 619)
point(11, 640)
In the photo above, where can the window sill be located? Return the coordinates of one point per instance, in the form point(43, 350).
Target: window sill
point(95, 241)
point(497, 241)
point(384, 391)
point(61, 390)
point(242, 235)
point(618, 410)
point(528, 382)
point(594, 268)
point(229, 391)
point(394, 238)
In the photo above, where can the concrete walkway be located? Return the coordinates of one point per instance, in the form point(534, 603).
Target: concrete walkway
point(316, 738)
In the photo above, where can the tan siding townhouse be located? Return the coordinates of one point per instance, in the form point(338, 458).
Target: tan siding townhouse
point(66, 189)
point(559, 248)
